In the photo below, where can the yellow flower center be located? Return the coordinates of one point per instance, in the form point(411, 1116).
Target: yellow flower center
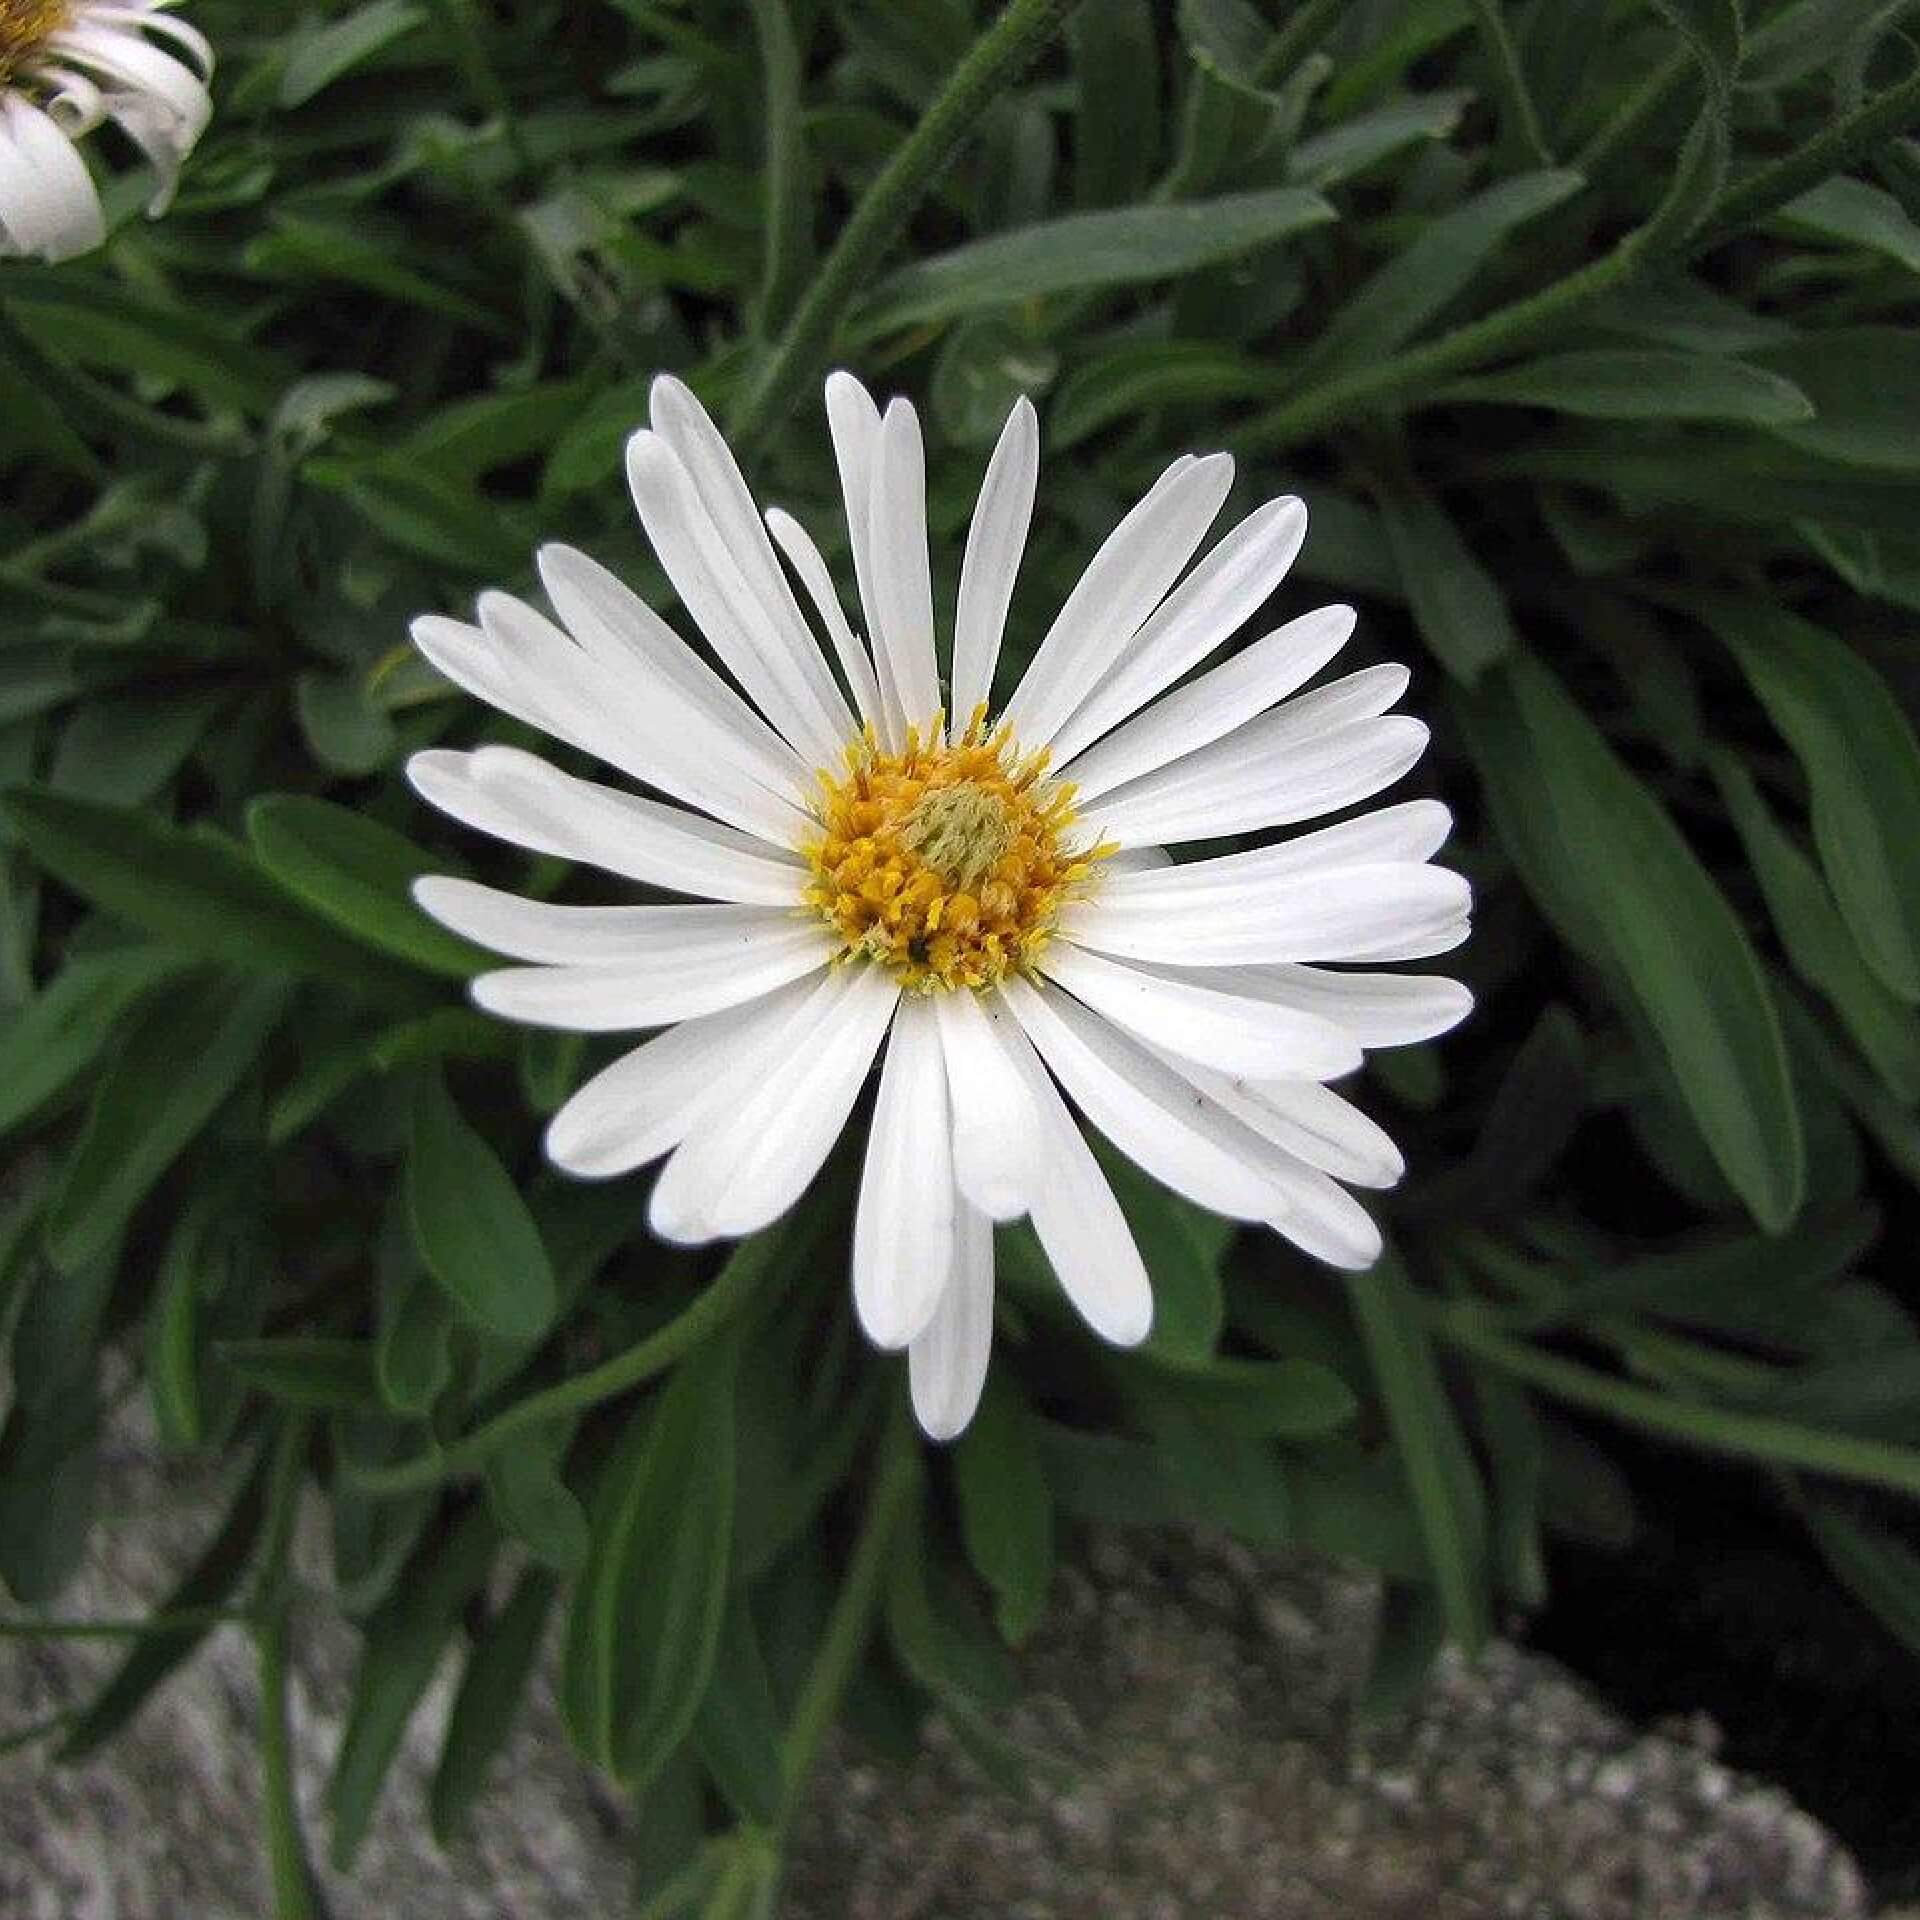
point(24, 24)
point(947, 864)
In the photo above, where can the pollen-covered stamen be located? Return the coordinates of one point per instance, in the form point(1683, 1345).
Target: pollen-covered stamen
point(946, 863)
point(24, 26)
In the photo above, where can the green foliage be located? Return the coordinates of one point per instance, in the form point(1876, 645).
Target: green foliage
point(1592, 353)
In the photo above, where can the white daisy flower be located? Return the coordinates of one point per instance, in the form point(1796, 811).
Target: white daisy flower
point(67, 65)
point(987, 900)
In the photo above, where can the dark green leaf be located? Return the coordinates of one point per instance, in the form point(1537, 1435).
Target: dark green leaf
point(737, 1731)
point(304, 1371)
point(1456, 604)
point(1087, 251)
point(1624, 889)
point(1644, 384)
point(355, 872)
point(1006, 1509)
point(470, 1224)
point(180, 1059)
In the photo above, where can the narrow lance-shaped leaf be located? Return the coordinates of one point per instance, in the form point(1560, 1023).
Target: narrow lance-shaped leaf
point(1609, 868)
point(1456, 604)
point(471, 1226)
point(1862, 764)
point(179, 1061)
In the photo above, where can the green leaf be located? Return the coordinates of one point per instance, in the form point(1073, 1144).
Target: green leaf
point(498, 1674)
point(180, 1059)
point(1083, 252)
point(356, 873)
point(398, 1659)
point(644, 1633)
point(411, 1353)
point(320, 55)
point(1862, 764)
point(194, 890)
point(342, 727)
point(1447, 1494)
point(1408, 1636)
point(1819, 946)
point(1429, 273)
point(534, 1504)
point(1226, 40)
point(737, 1731)
point(308, 1371)
point(1883, 1572)
point(1123, 382)
point(1181, 1245)
point(1646, 384)
point(1006, 1509)
point(65, 1027)
point(124, 748)
point(156, 1656)
point(1608, 867)
point(1857, 215)
point(1864, 383)
point(1117, 116)
point(471, 1226)
point(1290, 1399)
point(1356, 142)
point(1712, 29)
point(1456, 604)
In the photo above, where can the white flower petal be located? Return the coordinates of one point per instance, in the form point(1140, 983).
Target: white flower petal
point(648, 732)
point(620, 631)
point(902, 584)
point(553, 935)
point(1122, 585)
point(1411, 830)
point(903, 1227)
point(647, 1101)
point(806, 560)
point(1078, 1220)
point(1257, 778)
point(654, 991)
point(1214, 705)
point(521, 799)
point(1205, 611)
point(1322, 1218)
point(1350, 913)
point(1145, 1108)
point(1203, 1023)
point(1378, 1009)
point(680, 420)
point(995, 1132)
point(740, 1168)
point(1307, 1120)
point(48, 205)
point(947, 1363)
point(995, 543)
point(711, 586)
point(853, 421)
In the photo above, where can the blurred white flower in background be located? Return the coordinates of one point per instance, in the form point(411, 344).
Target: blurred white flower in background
point(67, 66)
point(987, 899)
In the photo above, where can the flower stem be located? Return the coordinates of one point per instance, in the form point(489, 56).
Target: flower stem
point(1523, 123)
point(895, 1482)
point(737, 1282)
point(1311, 23)
point(786, 178)
point(1002, 53)
point(1752, 1436)
point(1641, 105)
point(294, 1894)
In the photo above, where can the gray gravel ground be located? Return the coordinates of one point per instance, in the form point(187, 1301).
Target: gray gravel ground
point(1189, 1709)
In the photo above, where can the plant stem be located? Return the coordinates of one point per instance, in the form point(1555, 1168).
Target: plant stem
point(732, 1288)
point(1369, 389)
point(1641, 105)
point(998, 57)
point(1852, 137)
point(1751, 1436)
point(896, 1480)
point(786, 178)
point(1523, 123)
point(1311, 23)
point(294, 1893)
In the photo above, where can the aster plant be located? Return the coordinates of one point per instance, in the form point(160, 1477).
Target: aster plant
point(553, 900)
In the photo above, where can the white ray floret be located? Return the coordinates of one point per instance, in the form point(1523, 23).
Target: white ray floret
point(866, 866)
point(66, 68)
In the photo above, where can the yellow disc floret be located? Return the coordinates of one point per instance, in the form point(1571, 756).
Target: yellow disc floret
point(947, 863)
point(24, 24)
